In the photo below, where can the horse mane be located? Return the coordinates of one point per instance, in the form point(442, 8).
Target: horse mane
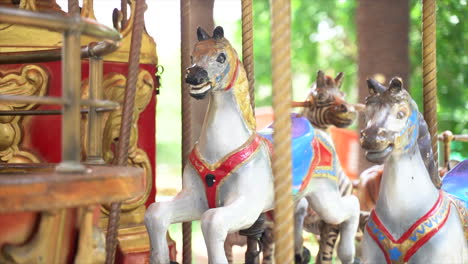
point(241, 89)
point(425, 148)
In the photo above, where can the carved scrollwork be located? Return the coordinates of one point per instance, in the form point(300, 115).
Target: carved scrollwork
point(28, 80)
point(114, 89)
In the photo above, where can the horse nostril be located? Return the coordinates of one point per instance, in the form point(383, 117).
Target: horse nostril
point(363, 134)
point(382, 132)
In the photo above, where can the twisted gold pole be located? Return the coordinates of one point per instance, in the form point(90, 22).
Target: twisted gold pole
point(430, 71)
point(247, 47)
point(282, 85)
point(186, 119)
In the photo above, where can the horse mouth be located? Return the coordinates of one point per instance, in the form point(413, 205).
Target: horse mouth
point(201, 90)
point(379, 156)
point(343, 120)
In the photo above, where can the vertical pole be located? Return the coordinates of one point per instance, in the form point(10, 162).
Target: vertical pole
point(430, 71)
point(94, 148)
point(447, 138)
point(282, 85)
point(128, 109)
point(247, 47)
point(186, 119)
point(71, 82)
point(123, 10)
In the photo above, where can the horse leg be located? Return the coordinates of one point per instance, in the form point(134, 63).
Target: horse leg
point(217, 222)
point(185, 207)
point(299, 215)
point(337, 210)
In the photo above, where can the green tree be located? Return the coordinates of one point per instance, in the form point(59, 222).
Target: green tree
point(324, 37)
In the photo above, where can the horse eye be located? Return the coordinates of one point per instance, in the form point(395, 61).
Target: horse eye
point(321, 97)
point(221, 58)
point(401, 115)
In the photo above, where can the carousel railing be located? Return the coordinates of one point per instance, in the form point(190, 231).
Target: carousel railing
point(35, 187)
point(446, 138)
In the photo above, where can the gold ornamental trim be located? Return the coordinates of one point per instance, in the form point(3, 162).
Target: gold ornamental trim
point(22, 38)
point(26, 80)
point(148, 45)
point(114, 90)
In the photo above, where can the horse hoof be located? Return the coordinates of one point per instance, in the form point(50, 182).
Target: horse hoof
point(304, 259)
point(357, 261)
point(173, 262)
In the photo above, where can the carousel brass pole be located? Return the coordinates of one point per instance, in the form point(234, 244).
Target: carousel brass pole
point(282, 85)
point(94, 148)
point(430, 71)
point(125, 128)
point(185, 15)
point(251, 254)
point(447, 138)
point(247, 48)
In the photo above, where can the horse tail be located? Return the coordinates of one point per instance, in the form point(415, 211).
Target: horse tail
point(425, 148)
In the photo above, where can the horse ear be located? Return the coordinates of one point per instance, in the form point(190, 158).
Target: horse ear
point(320, 79)
point(218, 32)
point(396, 84)
point(375, 86)
point(339, 80)
point(201, 34)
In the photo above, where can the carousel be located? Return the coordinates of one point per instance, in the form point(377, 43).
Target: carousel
point(78, 149)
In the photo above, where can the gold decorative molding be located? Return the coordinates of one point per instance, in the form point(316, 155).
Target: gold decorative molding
point(88, 9)
point(132, 232)
point(27, 80)
point(114, 89)
point(91, 242)
point(45, 247)
point(148, 45)
point(22, 38)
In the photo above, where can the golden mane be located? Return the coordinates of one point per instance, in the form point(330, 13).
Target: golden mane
point(241, 88)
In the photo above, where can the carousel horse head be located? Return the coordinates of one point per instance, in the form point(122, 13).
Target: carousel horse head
point(214, 64)
point(327, 103)
point(391, 118)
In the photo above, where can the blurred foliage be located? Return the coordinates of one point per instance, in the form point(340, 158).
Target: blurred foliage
point(324, 37)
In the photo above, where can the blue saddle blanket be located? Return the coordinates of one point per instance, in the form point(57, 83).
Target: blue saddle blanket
point(455, 182)
point(302, 150)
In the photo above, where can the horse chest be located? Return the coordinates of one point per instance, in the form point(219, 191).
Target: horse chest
point(214, 175)
point(400, 250)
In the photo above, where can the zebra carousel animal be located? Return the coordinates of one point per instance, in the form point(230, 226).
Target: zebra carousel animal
point(325, 106)
point(413, 221)
point(228, 180)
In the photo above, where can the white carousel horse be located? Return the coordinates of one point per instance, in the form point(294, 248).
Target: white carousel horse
point(413, 221)
point(228, 180)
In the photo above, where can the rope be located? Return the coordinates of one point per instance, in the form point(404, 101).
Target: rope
point(430, 71)
point(282, 85)
point(73, 7)
point(186, 120)
point(125, 128)
point(247, 48)
point(123, 10)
